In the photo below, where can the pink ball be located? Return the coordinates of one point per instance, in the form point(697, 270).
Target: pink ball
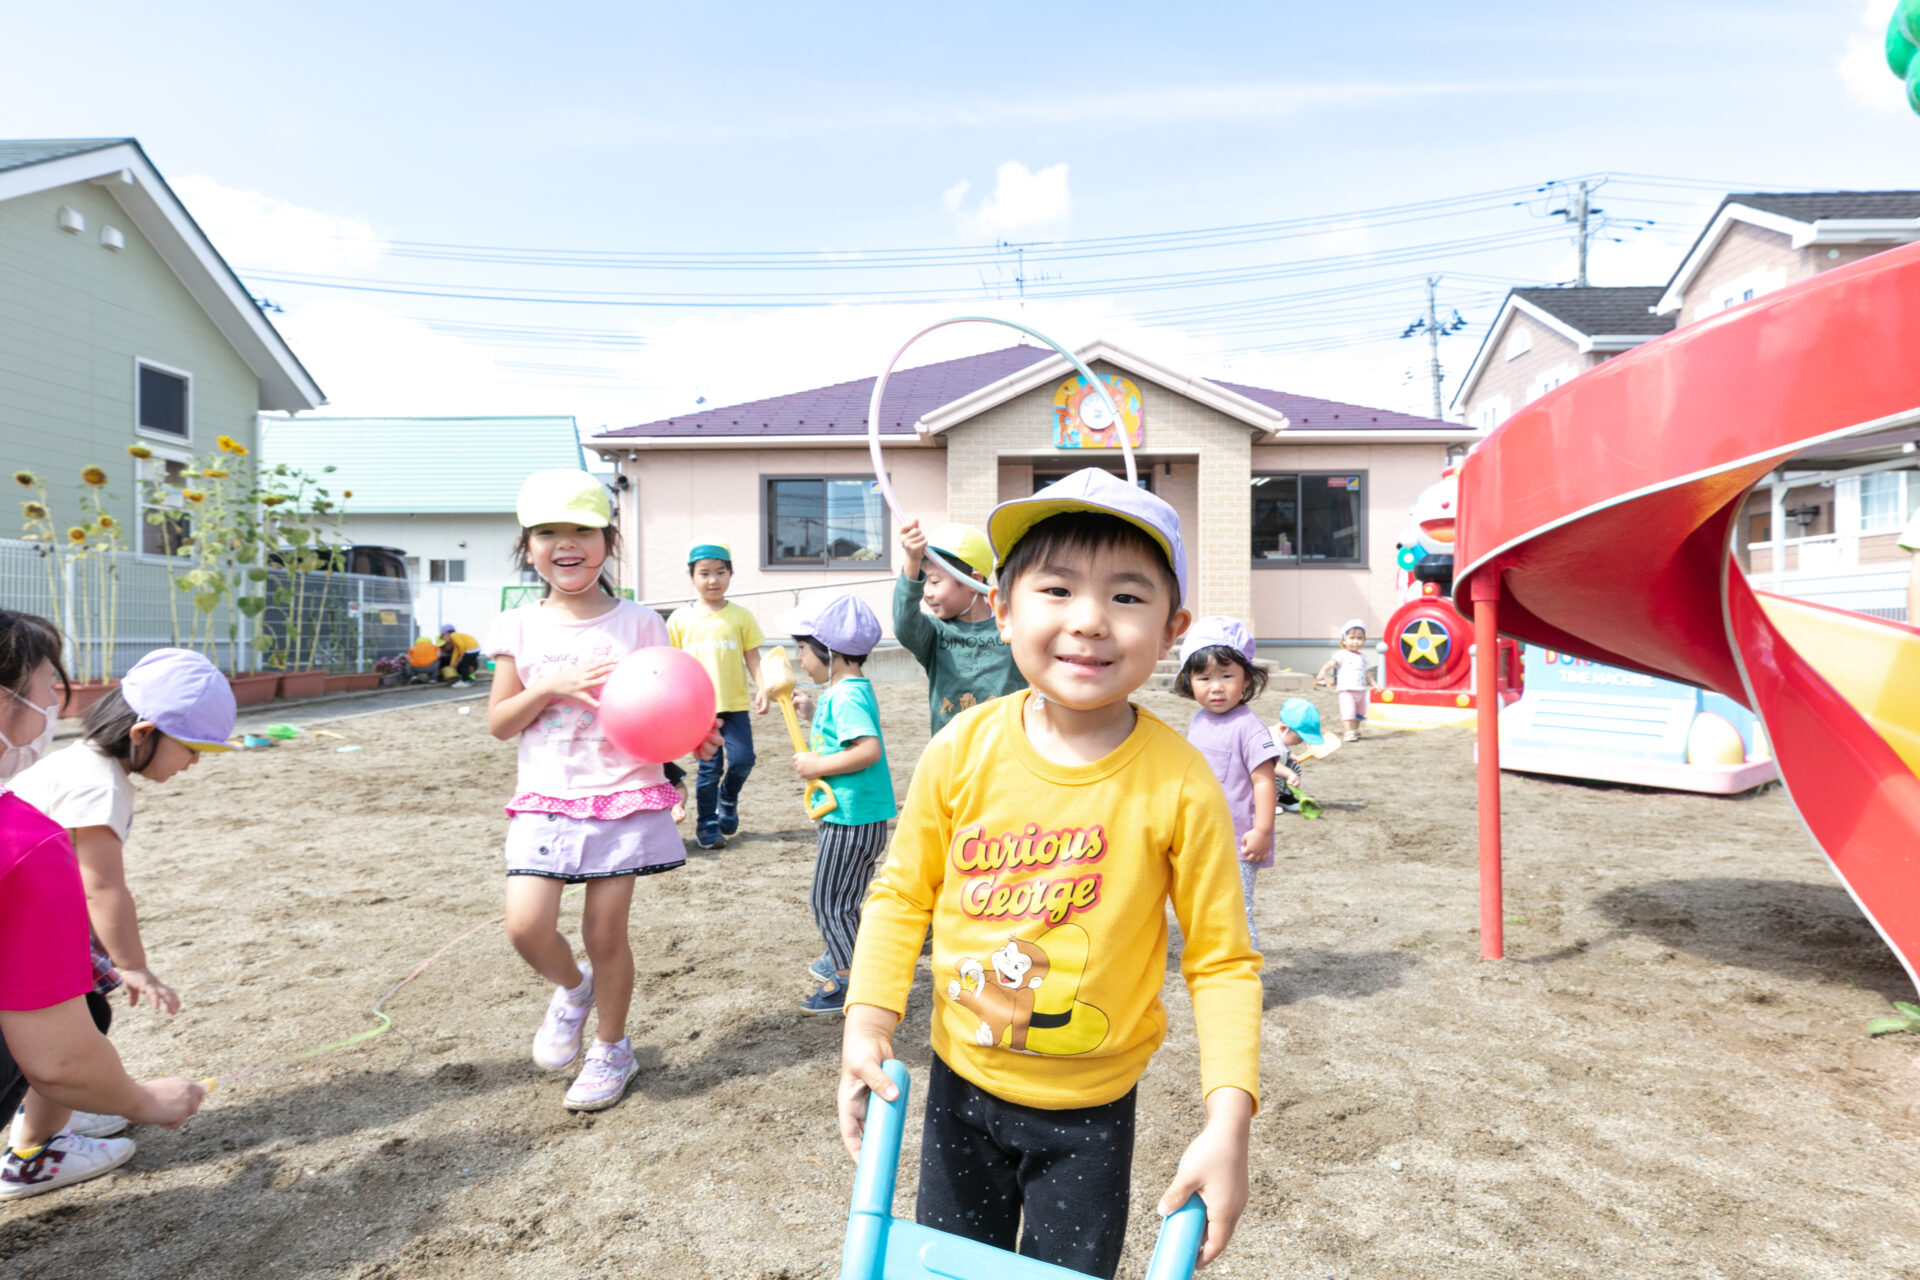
point(658, 704)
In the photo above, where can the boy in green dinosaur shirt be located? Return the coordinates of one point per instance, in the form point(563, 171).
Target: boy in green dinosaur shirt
point(954, 637)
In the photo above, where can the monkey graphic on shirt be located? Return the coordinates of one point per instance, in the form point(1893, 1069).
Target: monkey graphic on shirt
point(1030, 1000)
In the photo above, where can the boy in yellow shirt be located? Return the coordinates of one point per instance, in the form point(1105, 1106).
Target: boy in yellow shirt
point(1043, 834)
point(726, 639)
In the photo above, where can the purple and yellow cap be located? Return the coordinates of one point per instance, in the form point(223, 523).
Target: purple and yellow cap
point(1091, 489)
point(1223, 631)
point(184, 696)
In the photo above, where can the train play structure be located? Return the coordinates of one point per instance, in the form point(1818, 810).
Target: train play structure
point(1598, 522)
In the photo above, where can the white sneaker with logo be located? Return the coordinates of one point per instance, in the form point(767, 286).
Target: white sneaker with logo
point(557, 1043)
point(604, 1078)
point(67, 1158)
point(85, 1123)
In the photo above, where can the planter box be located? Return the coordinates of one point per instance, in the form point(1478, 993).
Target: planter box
point(303, 684)
point(82, 696)
point(254, 688)
point(354, 682)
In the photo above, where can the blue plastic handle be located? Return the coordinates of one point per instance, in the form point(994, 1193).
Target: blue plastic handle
point(882, 1247)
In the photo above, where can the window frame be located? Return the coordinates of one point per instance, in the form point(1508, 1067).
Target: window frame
point(162, 454)
point(148, 433)
point(827, 564)
point(1300, 477)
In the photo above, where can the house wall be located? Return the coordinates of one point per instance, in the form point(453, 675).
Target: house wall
point(687, 495)
point(485, 540)
point(1310, 604)
point(73, 318)
point(1754, 257)
point(1216, 448)
point(1505, 385)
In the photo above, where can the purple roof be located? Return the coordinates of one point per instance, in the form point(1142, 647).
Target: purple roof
point(841, 409)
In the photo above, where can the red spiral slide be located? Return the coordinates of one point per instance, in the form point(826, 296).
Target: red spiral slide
point(1599, 521)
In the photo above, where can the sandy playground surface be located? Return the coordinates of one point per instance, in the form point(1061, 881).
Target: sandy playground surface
point(1669, 1078)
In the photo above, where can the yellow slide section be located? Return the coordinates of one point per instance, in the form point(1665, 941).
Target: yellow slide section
point(1873, 663)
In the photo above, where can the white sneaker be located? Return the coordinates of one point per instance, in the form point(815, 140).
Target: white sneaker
point(67, 1158)
point(604, 1077)
point(85, 1123)
point(557, 1043)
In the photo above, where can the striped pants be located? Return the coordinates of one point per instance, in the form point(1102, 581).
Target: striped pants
point(847, 859)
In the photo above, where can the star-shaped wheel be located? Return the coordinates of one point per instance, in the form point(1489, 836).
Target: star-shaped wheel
point(1425, 644)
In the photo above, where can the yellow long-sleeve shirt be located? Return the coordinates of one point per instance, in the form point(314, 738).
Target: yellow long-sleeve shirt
point(1046, 887)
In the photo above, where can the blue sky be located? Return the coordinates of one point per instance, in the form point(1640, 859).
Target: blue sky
point(316, 143)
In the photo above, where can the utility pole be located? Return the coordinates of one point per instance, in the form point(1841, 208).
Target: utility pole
point(1580, 218)
point(1431, 326)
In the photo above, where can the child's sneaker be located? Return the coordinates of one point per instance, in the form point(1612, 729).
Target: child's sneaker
point(822, 970)
point(67, 1158)
point(831, 997)
point(84, 1123)
point(557, 1043)
point(710, 838)
point(604, 1078)
point(729, 816)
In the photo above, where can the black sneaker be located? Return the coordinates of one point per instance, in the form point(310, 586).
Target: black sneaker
point(710, 840)
point(729, 818)
point(830, 997)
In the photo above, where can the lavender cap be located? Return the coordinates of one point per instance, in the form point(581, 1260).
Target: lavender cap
point(1091, 489)
point(184, 696)
point(842, 623)
point(1208, 632)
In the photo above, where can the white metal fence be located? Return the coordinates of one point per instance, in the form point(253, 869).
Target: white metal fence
point(1879, 592)
point(345, 620)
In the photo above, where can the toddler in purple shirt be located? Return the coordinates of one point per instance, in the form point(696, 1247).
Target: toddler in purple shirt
point(1217, 671)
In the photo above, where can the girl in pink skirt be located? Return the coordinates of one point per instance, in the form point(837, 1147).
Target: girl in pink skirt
point(582, 812)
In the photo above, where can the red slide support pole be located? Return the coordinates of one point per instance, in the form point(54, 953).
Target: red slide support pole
point(1486, 681)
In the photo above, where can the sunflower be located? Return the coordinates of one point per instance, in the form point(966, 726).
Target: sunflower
point(139, 451)
point(25, 479)
point(107, 521)
point(214, 473)
point(227, 444)
point(34, 510)
point(347, 494)
point(193, 495)
point(273, 499)
point(76, 534)
point(239, 449)
point(94, 476)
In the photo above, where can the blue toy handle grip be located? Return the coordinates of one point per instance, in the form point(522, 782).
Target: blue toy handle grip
point(1177, 1250)
point(865, 1251)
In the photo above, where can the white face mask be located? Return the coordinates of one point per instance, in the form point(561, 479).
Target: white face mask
point(18, 756)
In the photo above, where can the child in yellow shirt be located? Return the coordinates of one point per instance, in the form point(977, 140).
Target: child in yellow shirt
point(1043, 835)
point(726, 639)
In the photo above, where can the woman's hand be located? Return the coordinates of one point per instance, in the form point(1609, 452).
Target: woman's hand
point(577, 682)
point(142, 982)
point(168, 1103)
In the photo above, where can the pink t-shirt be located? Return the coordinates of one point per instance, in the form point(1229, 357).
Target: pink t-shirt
point(1235, 744)
point(564, 753)
point(44, 958)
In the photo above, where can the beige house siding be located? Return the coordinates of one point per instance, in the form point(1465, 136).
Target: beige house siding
point(1310, 604)
point(980, 450)
point(1750, 256)
point(1509, 384)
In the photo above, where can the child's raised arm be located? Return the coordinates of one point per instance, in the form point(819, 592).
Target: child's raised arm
point(913, 547)
point(111, 912)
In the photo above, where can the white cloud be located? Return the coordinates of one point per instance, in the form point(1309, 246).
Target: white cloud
point(954, 194)
point(1863, 67)
point(1022, 200)
point(255, 230)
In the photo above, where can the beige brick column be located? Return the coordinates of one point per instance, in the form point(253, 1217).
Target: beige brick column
point(1219, 553)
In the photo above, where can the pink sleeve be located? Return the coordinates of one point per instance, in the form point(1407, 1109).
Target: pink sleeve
point(503, 637)
point(44, 958)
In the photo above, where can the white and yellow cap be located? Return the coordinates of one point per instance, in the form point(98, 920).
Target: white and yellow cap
point(963, 544)
point(563, 497)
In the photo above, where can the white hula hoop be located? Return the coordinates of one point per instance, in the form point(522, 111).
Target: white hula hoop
point(880, 389)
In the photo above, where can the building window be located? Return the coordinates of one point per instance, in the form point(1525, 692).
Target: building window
point(1885, 500)
point(1304, 519)
point(823, 521)
point(164, 524)
point(163, 401)
point(446, 571)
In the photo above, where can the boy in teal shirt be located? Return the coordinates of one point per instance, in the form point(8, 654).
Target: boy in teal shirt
point(954, 637)
point(835, 638)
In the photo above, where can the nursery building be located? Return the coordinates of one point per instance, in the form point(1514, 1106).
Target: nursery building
point(1291, 506)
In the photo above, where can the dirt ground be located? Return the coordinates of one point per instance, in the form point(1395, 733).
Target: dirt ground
point(1669, 1077)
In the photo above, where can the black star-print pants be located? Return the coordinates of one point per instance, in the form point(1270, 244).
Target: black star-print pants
point(983, 1160)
